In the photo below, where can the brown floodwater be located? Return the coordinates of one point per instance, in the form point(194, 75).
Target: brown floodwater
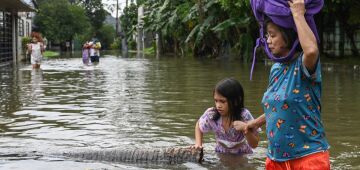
point(148, 103)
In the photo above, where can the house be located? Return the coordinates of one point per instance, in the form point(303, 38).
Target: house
point(15, 23)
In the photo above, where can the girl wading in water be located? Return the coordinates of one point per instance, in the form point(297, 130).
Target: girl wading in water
point(227, 120)
point(36, 49)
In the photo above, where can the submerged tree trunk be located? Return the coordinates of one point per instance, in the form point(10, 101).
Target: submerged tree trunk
point(172, 155)
point(168, 155)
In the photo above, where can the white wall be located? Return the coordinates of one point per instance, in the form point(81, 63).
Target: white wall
point(26, 18)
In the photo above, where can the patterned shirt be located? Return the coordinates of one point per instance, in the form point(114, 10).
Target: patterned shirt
point(292, 108)
point(230, 141)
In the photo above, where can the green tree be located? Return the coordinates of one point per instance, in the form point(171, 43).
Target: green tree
point(208, 27)
point(239, 27)
point(59, 21)
point(128, 22)
point(165, 18)
point(213, 27)
point(95, 11)
point(106, 36)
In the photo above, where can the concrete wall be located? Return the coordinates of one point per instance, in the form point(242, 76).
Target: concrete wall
point(24, 25)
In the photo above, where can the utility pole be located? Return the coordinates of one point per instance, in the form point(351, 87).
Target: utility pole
point(117, 17)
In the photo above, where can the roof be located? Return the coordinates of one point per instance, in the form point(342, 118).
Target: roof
point(18, 5)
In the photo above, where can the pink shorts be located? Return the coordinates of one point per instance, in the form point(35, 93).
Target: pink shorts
point(316, 161)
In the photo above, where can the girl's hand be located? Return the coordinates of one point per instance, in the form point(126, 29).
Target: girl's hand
point(29, 48)
point(240, 126)
point(197, 147)
point(297, 7)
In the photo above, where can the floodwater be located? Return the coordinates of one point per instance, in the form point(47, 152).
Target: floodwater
point(147, 103)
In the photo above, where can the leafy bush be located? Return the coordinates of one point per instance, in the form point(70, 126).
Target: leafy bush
point(106, 36)
point(149, 51)
point(24, 42)
point(132, 45)
point(116, 45)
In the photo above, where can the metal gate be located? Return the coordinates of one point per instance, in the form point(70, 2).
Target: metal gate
point(6, 37)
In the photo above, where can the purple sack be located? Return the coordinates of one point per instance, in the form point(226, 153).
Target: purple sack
point(279, 12)
point(85, 56)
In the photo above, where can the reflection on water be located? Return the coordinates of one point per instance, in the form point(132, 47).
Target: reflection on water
point(36, 80)
point(147, 103)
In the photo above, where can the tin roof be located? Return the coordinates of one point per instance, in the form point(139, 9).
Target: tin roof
point(18, 5)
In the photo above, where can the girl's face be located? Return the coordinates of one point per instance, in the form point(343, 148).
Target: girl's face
point(276, 41)
point(34, 40)
point(221, 104)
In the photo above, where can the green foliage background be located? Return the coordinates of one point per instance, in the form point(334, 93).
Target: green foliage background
point(203, 28)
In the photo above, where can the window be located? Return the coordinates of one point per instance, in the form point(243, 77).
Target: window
point(27, 29)
point(6, 39)
point(21, 27)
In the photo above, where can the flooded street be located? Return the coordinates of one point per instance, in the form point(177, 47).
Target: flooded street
point(146, 103)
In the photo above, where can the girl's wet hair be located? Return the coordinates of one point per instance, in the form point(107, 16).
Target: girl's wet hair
point(288, 34)
point(232, 90)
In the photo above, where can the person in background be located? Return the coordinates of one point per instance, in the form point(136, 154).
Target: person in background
point(45, 42)
point(85, 53)
point(95, 47)
point(36, 49)
point(227, 120)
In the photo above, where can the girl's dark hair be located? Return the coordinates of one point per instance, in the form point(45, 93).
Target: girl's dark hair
point(289, 34)
point(232, 90)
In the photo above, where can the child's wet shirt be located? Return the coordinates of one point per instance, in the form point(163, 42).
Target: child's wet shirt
point(230, 141)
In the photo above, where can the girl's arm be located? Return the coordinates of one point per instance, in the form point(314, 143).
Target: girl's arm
point(252, 138)
point(306, 36)
point(256, 123)
point(198, 136)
